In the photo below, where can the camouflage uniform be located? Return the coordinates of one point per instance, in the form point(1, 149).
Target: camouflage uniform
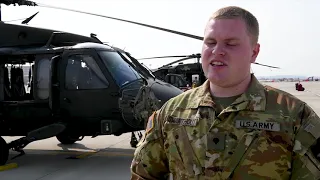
point(265, 133)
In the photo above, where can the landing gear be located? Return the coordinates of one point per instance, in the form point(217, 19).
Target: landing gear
point(134, 141)
point(4, 152)
point(18, 145)
point(35, 135)
point(64, 138)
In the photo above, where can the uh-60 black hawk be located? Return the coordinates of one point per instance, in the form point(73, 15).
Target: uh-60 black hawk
point(79, 86)
point(183, 75)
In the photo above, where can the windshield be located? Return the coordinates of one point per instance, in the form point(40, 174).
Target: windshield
point(135, 62)
point(121, 71)
point(129, 59)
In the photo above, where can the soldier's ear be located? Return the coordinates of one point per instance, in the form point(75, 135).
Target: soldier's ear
point(255, 52)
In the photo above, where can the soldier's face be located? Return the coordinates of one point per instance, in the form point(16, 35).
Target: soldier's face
point(227, 52)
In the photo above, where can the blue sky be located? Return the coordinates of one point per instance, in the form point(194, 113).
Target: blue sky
point(288, 29)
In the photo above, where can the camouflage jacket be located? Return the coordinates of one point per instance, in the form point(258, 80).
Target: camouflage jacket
point(266, 133)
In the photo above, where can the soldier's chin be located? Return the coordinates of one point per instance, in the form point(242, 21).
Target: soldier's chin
point(221, 82)
point(217, 79)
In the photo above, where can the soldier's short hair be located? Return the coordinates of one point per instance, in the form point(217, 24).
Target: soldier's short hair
point(232, 12)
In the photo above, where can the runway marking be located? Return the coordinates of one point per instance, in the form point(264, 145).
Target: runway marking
point(81, 156)
point(8, 166)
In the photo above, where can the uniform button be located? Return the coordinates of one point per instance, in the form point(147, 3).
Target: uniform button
point(166, 146)
point(165, 134)
point(215, 140)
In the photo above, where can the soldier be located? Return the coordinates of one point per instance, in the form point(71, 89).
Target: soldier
point(231, 127)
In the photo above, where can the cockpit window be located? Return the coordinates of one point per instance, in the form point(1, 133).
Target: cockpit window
point(121, 71)
point(127, 57)
point(82, 72)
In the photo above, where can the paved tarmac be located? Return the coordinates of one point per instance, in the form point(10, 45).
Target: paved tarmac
point(104, 157)
point(311, 95)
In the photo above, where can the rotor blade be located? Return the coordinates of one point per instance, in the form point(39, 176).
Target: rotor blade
point(118, 19)
point(29, 18)
point(162, 57)
point(196, 56)
point(192, 56)
point(179, 60)
point(267, 65)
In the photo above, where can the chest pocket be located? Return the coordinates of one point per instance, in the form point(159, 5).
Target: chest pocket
point(263, 153)
point(182, 155)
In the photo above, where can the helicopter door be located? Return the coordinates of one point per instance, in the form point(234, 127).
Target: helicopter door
point(86, 90)
point(54, 83)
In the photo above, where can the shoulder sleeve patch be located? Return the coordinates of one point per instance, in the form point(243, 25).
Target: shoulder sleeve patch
point(150, 123)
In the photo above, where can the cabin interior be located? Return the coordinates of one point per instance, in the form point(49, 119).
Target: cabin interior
point(13, 86)
point(17, 80)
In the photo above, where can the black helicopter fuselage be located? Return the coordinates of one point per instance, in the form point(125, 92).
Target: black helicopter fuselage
point(91, 88)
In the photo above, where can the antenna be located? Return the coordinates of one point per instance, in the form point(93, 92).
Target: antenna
point(27, 20)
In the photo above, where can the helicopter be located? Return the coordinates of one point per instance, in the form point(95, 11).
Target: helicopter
point(181, 75)
point(79, 86)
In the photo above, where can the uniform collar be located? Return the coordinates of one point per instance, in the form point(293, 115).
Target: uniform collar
point(253, 99)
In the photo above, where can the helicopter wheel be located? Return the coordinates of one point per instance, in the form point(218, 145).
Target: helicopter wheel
point(67, 139)
point(4, 151)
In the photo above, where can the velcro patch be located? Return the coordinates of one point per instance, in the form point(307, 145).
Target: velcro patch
point(263, 125)
point(313, 129)
point(150, 123)
point(183, 122)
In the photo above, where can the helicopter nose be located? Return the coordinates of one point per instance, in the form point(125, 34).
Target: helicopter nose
point(164, 91)
point(135, 103)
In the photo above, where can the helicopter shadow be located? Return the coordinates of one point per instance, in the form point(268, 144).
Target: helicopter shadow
point(71, 147)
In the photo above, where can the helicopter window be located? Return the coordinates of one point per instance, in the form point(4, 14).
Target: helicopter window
point(43, 78)
point(181, 82)
point(127, 57)
point(121, 71)
point(82, 72)
point(172, 80)
point(175, 80)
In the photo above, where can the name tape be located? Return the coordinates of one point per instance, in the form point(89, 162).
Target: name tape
point(182, 122)
point(263, 125)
